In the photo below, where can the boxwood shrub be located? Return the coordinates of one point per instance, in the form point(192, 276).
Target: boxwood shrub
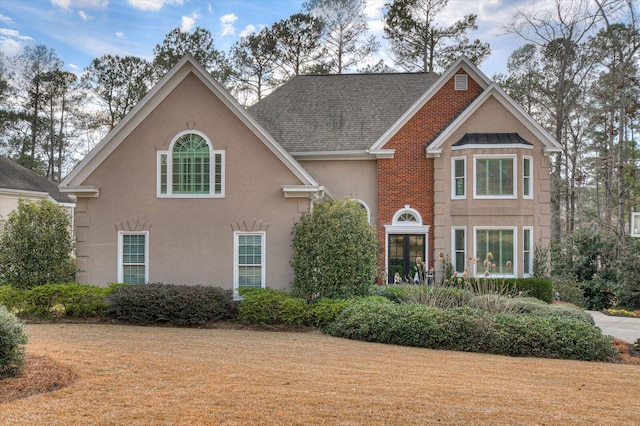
point(261, 305)
point(168, 303)
point(13, 337)
point(466, 329)
point(535, 287)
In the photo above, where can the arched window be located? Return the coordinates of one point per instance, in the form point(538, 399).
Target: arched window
point(407, 217)
point(191, 168)
point(365, 207)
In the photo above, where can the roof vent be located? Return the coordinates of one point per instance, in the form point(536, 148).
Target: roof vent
point(461, 82)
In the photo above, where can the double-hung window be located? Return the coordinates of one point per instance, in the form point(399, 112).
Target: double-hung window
point(458, 169)
point(527, 181)
point(527, 251)
point(494, 176)
point(249, 260)
point(495, 249)
point(191, 168)
point(458, 236)
point(133, 257)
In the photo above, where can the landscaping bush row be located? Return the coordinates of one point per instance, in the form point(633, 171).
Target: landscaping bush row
point(268, 306)
point(12, 340)
point(175, 304)
point(377, 319)
point(57, 300)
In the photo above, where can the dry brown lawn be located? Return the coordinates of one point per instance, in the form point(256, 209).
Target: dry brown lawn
point(128, 375)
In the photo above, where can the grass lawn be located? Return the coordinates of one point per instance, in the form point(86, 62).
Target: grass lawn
point(128, 375)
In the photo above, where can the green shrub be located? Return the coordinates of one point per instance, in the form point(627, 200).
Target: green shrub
point(295, 311)
point(175, 304)
point(64, 300)
point(36, 245)
point(324, 311)
point(540, 288)
point(334, 252)
point(530, 305)
point(261, 305)
point(10, 297)
point(569, 291)
point(440, 297)
point(467, 329)
point(13, 337)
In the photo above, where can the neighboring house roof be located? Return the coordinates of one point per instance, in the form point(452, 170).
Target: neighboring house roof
point(344, 112)
point(17, 178)
point(74, 182)
point(491, 139)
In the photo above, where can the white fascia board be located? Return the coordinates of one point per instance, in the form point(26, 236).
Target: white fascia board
point(383, 153)
point(80, 190)
point(156, 95)
point(462, 62)
point(23, 192)
point(511, 106)
point(312, 192)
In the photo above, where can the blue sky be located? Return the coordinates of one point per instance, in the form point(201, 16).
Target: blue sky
point(81, 30)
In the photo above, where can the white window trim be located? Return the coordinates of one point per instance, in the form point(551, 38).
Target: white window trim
point(453, 242)
point(531, 247)
point(404, 210)
point(530, 196)
point(514, 229)
point(461, 82)
point(236, 265)
point(121, 234)
point(366, 207)
point(513, 158)
point(453, 178)
point(635, 220)
point(212, 155)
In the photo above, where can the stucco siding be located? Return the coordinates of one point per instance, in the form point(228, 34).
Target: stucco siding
point(190, 239)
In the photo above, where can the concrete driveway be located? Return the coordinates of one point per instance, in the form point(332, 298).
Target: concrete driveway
point(625, 328)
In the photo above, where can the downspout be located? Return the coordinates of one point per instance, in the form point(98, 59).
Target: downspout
point(317, 196)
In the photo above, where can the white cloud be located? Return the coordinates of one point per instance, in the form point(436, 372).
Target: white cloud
point(152, 4)
point(9, 33)
point(227, 22)
point(120, 35)
point(188, 22)
point(83, 15)
point(249, 29)
point(10, 47)
point(5, 19)
point(84, 4)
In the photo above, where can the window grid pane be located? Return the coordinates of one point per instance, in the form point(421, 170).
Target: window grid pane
point(460, 255)
point(250, 261)
point(218, 174)
point(459, 177)
point(527, 177)
point(133, 258)
point(527, 251)
point(498, 242)
point(191, 169)
point(163, 173)
point(494, 176)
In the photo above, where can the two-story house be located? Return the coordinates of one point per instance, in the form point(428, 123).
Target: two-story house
point(191, 188)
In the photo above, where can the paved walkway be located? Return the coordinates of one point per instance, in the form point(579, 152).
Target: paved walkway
point(625, 328)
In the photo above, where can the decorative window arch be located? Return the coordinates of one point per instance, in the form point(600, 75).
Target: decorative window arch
point(406, 217)
point(191, 168)
point(365, 207)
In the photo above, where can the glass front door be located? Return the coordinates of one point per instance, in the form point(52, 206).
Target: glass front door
point(403, 250)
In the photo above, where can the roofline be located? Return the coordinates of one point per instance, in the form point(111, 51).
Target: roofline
point(433, 149)
point(347, 155)
point(462, 62)
point(188, 64)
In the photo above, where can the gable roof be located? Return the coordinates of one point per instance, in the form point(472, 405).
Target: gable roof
point(17, 178)
point(494, 91)
point(339, 112)
point(461, 63)
point(187, 65)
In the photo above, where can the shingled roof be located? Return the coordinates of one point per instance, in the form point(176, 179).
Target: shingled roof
point(319, 113)
point(14, 176)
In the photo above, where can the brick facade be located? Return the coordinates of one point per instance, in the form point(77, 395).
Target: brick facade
point(407, 178)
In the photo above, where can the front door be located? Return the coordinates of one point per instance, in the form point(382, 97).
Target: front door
point(403, 250)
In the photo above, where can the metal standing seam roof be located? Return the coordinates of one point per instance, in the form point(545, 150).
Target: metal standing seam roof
point(491, 139)
point(338, 112)
point(16, 177)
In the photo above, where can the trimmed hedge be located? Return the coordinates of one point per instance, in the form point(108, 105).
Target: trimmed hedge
point(176, 304)
point(535, 287)
point(268, 306)
point(56, 300)
point(13, 337)
point(379, 320)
